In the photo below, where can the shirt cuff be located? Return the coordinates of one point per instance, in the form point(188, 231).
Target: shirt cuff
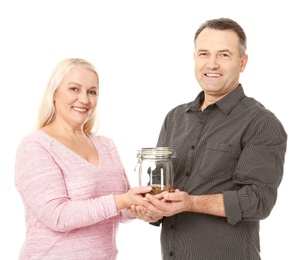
point(232, 207)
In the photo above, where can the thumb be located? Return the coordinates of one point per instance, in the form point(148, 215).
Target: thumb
point(142, 189)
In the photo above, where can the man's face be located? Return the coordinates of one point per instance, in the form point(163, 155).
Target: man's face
point(217, 61)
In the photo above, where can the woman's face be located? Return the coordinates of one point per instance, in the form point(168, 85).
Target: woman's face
point(76, 98)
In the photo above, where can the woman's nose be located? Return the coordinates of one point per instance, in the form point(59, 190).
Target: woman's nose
point(83, 98)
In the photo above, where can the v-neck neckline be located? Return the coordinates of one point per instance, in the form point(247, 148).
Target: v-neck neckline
point(73, 152)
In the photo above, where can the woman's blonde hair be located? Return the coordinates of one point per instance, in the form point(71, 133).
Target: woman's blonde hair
point(47, 109)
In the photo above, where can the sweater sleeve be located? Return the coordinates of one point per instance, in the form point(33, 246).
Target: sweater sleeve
point(41, 184)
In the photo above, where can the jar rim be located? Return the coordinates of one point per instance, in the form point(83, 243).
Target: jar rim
point(156, 152)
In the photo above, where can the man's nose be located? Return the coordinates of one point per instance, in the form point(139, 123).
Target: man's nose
point(213, 63)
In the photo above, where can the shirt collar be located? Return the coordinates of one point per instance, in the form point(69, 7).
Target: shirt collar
point(226, 104)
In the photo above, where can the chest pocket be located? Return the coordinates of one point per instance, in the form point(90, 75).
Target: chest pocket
point(216, 160)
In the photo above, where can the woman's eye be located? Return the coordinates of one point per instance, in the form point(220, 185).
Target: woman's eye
point(93, 92)
point(74, 89)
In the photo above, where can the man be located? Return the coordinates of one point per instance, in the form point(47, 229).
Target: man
point(230, 158)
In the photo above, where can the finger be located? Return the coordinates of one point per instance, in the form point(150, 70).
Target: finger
point(174, 196)
point(142, 189)
point(157, 207)
point(158, 196)
point(146, 216)
point(154, 200)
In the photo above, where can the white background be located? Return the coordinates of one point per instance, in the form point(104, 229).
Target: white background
point(143, 51)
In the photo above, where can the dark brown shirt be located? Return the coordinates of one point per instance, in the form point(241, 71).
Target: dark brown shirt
point(235, 147)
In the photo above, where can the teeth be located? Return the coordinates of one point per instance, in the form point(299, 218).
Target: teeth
point(79, 109)
point(212, 75)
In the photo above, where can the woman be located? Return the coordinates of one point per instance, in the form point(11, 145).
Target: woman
point(72, 182)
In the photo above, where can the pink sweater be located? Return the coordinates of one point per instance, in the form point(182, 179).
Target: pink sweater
point(70, 212)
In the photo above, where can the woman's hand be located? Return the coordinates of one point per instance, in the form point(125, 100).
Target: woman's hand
point(155, 207)
point(167, 203)
point(140, 213)
point(135, 196)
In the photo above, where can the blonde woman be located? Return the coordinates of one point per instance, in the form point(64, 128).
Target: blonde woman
point(72, 181)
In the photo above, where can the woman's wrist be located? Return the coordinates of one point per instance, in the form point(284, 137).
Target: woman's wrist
point(121, 201)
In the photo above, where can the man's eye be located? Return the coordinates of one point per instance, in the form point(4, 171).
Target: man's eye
point(224, 55)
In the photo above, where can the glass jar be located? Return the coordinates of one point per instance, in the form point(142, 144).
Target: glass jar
point(155, 168)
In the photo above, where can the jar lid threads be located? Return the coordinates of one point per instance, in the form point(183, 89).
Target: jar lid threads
point(156, 152)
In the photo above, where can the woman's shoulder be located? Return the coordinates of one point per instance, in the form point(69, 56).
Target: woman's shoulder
point(36, 137)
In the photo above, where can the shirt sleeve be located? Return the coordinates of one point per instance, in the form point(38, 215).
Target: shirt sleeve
point(258, 173)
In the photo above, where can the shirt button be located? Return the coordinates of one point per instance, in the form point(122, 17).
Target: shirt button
point(172, 226)
point(192, 147)
point(187, 174)
point(171, 253)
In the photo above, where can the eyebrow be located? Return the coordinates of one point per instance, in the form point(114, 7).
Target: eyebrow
point(226, 50)
point(75, 83)
point(223, 50)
